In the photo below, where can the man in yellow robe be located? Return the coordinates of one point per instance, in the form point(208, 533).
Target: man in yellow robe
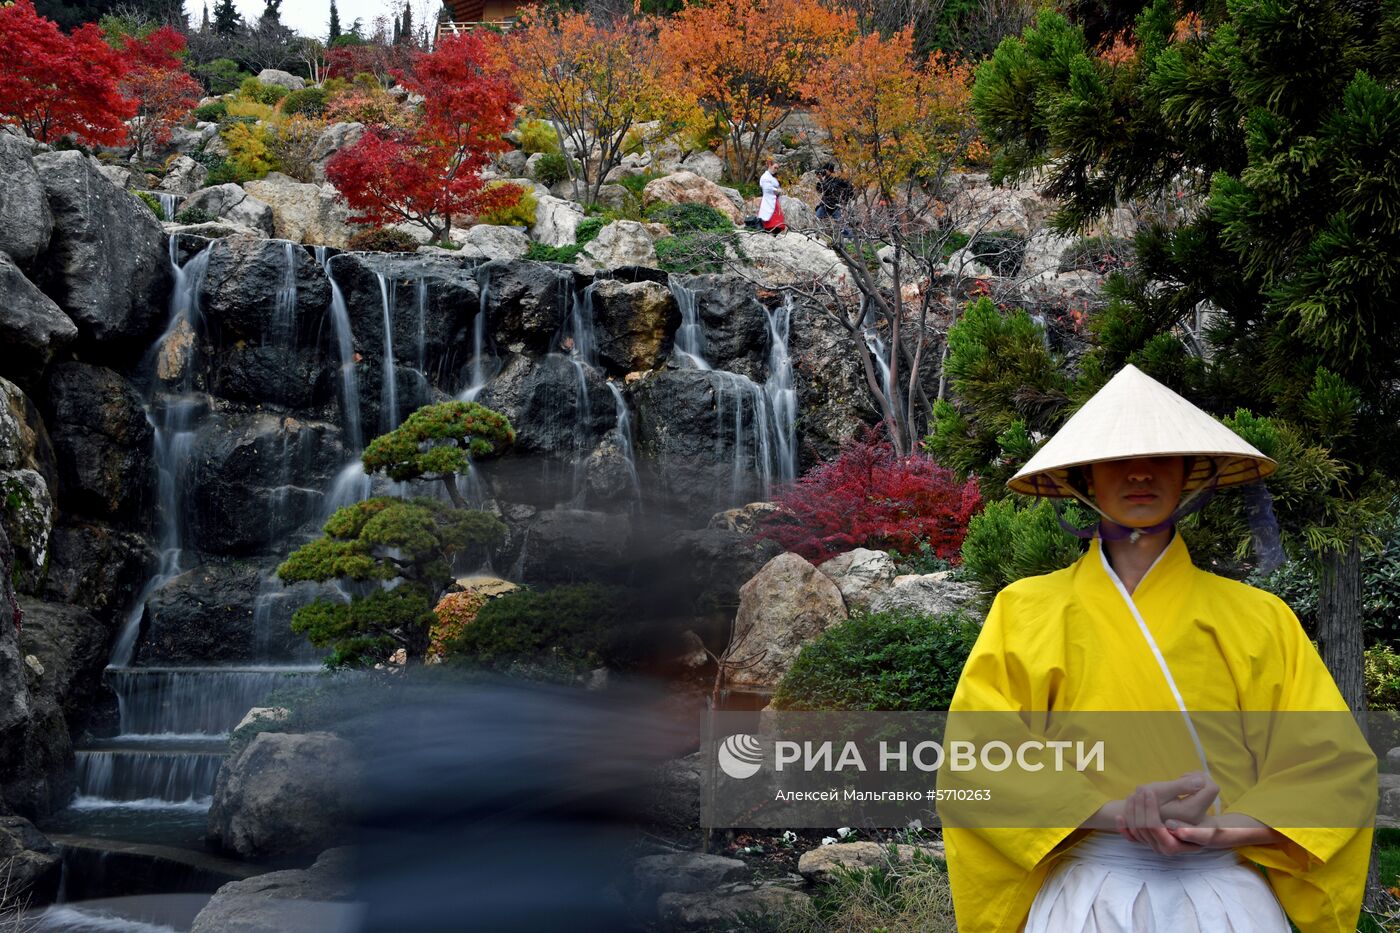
point(1134, 626)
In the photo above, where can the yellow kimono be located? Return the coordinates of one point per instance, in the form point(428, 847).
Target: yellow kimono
point(1070, 641)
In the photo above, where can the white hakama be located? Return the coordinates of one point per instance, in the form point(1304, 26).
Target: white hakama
point(1109, 884)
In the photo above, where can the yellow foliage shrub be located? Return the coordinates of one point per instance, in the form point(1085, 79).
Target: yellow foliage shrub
point(248, 150)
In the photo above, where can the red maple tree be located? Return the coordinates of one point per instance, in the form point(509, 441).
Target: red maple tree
point(163, 90)
point(869, 496)
point(53, 85)
point(431, 170)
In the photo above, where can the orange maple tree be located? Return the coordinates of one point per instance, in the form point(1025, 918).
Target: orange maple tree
point(594, 81)
point(892, 120)
point(745, 61)
point(157, 81)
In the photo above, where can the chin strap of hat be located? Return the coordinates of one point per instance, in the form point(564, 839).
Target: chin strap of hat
point(1109, 530)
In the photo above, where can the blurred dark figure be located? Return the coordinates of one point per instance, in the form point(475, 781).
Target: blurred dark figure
point(835, 192)
point(505, 805)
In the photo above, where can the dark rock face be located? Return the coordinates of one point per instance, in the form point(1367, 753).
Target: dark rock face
point(542, 399)
point(635, 323)
point(832, 393)
point(32, 327)
point(25, 220)
point(703, 569)
point(283, 376)
point(573, 545)
point(248, 289)
point(256, 477)
point(106, 264)
point(28, 478)
point(284, 794)
point(736, 327)
point(432, 301)
point(210, 615)
point(97, 567)
point(528, 303)
point(34, 863)
point(103, 443)
point(72, 647)
point(686, 422)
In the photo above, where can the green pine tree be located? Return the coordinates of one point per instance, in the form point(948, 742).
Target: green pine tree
point(227, 22)
point(406, 33)
point(409, 543)
point(204, 23)
point(272, 12)
point(334, 26)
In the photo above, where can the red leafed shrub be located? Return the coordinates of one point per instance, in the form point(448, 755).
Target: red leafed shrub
point(53, 84)
point(156, 80)
point(870, 497)
point(431, 170)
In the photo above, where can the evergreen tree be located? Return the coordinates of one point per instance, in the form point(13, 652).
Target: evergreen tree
point(398, 36)
point(227, 22)
point(272, 12)
point(406, 33)
point(204, 23)
point(335, 25)
point(395, 554)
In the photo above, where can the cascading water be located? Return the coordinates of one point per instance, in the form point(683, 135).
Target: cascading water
point(481, 372)
point(690, 336)
point(780, 393)
point(388, 391)
point(169, 203)
point(624, 443)
point(879, 352)
point(351, 484)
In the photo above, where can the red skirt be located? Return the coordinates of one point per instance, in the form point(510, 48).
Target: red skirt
point(776, 223)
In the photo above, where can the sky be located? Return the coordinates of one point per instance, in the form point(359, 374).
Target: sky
point(310, 17)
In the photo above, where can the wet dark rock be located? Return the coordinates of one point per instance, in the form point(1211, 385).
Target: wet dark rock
point(635, 323)
point(240, 293)
point(98, 567)
point(71, 646)
point(256, 477)
point(32, 327)
point(25, 220)
point(209, 615)
point(704, 568)
point(106, 265)
point(528, 303)
point(34, 863)
point(103, 443)
point(735, 325)
point(832, 393)
point(574, 545)
point(299, 379)
point(686, 433)
point(542, 400)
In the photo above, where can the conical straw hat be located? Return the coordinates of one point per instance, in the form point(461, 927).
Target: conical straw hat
point(1134, 415)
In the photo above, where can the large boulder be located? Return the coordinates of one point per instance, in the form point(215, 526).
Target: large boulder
point(211, 615)
point(71, 647)
point(32, 863)
point(860, 574)
point(825, 863)
point(284, 794)
point(106, 265)
point(295, 900)
point(258, 476)
point(793, 259)
point(706, 164)
point(784, 607)
point(573, 545)
point(281, 79)
point(230, 202)
point(654, 875)
point(686, 187)
point(553, 412)
point(185, 176)
point(488, 241)
point(925, 594)
point(979, 208)
point(556, 221)
point(333, 138)
point(102, 439)
point(32, 327)
point(304, 213)
point(832, 393)
point(732, 906)
point(28, 480)
point(620, 243)
point(246, 286)
point(634, 322)
point(703, 569)
point(25, 220)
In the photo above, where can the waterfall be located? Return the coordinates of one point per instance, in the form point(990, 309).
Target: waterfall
point(171, 419)
point(345, 347)
point(880, 352)
point(624, 440)
point(479, 374)
point(690, 336)
point(582, 345)
point(169, 203)
point(388, 394)
point(780, 393)
point(420, 305)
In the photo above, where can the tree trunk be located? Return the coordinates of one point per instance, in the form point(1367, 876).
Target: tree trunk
point(453, 492)
point(1340, 637)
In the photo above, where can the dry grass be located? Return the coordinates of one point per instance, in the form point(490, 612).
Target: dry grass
point(14, 900)
point(899, 897)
